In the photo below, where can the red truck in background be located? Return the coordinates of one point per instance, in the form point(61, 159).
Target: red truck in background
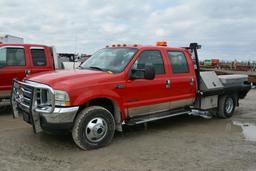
point(20, 60)
point(125, 84)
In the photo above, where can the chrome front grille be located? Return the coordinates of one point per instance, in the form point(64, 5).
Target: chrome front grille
point(27, 95)
point(41, 97)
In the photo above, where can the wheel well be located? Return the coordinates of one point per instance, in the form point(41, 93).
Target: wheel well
point(108, 104)
point(103, 102)
point(232, 94)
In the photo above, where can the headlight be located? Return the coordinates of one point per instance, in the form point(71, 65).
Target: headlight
point(61, 98)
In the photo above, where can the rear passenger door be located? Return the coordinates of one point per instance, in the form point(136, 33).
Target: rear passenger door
point(39, 60)
point(183, 81)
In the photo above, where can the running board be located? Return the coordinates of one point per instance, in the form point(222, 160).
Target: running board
point(154, 117)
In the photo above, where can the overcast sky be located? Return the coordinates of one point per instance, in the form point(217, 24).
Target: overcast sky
point(226, 29)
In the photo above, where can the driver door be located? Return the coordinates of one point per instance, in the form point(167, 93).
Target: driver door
point(148, 96)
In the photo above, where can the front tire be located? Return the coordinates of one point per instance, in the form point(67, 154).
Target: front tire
point(94, 128)
point(227, 104)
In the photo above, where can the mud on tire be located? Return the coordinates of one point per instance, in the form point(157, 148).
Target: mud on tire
point(94, 128)
point(226, 107)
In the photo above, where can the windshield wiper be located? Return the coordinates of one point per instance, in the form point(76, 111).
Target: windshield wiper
point(80, 67)
point(97, 68)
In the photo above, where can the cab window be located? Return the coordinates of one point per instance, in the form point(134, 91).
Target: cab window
point(10, 56)
point(149, 57)
point(178, 62)
point(38, 57)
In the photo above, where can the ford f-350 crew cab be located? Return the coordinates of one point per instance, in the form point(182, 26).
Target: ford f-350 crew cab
point(125, 84)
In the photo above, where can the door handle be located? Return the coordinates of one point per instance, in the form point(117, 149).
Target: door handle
point(191, 81)
point(168, 83)
point(27, 72)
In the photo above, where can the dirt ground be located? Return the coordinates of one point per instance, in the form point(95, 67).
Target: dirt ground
point(179, 143)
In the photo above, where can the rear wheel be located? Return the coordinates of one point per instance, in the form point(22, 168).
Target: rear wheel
point(227, 104)
point(94, 128)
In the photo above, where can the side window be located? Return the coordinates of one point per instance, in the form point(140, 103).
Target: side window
point(178, 62)
point(38, 57)
point(10, 56)
point(150, 57)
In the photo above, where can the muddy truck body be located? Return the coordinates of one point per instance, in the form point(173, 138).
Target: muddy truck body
point(125, 84)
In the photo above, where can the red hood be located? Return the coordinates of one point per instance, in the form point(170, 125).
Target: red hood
point(64, 79)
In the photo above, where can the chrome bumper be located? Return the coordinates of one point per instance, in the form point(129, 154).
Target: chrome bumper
point(61, 115)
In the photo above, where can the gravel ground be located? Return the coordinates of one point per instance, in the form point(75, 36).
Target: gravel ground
point(179, 143)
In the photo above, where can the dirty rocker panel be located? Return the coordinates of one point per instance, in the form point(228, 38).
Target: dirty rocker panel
point(160, 107)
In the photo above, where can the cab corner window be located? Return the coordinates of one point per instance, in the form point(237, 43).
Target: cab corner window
point(149, 57)
point(10, 56)
point(38, 57)
point(178, 62)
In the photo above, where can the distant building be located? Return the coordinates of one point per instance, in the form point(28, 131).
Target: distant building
point(6, 38)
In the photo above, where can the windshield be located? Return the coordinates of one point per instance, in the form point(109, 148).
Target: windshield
point(110, 59)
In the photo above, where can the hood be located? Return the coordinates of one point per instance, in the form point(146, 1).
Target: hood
point(64, 79)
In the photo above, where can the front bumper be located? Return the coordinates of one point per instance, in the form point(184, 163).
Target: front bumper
point(61, 115)
point(61, 118)
point(53, 117)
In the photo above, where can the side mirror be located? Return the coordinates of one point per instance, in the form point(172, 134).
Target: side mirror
point(149, 73)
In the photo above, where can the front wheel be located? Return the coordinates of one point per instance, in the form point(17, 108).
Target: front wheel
point(227, 104)
point(94, 128)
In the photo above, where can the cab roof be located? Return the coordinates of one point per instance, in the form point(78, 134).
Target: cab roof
point(138, 46)
point(21, 44)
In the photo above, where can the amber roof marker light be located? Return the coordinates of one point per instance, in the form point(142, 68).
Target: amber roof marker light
point(161, 43)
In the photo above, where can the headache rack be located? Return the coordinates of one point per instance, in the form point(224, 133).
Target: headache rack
point(193, 51)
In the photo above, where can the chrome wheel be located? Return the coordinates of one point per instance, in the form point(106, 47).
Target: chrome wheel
point(229, 105)
point(96, 129)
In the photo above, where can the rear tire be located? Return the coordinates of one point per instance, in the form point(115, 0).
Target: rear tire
point(227, 104)
point(94, 128)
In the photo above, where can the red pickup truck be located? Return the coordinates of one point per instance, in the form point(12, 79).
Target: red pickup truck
point(20, 60)
point(125, 84)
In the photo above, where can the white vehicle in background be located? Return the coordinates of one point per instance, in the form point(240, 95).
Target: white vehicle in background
point(6, 38)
